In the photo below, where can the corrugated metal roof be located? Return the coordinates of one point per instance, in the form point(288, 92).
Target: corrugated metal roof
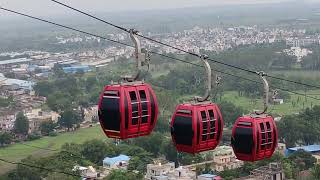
point(310, 148)
point(21, 83)
point(13, 61)
point(112, 161)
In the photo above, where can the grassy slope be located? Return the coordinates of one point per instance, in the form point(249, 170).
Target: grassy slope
point(283, 109)
point(19, 151)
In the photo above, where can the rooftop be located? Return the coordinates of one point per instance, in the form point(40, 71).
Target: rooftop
point(14, 61)
point(309, 148)
point(20, 83)
point(114, 160)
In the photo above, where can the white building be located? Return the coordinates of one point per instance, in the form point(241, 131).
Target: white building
point(87, 172)
point(298, 52)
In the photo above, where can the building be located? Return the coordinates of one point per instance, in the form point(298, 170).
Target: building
point(317, 158)
point(37, 116)
point(118, 162)
point(88, 172)
point(75, 69)
point(281, 148)
point(297, 42)
point(14, 61)
point(168, 172)
point(224, 159)
point(90, 113)
point(7, 122)
point(273, 171)
point(278, 101)
point(209, 177)
point(313, 149)
point(298, 52)
point(26, 85)
point(158, 170)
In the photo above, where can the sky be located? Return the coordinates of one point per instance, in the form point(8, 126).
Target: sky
point(46, 7)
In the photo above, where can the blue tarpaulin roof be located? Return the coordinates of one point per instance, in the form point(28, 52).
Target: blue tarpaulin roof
point(74, 69)
point(310, 148)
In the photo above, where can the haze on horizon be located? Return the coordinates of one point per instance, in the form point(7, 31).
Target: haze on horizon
point(46, 7)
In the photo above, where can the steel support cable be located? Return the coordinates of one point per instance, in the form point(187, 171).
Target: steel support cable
point(176, 48)
point(114, 41)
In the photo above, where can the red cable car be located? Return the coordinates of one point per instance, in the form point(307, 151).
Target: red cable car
point(129, 109)
point(198, 126)
point(255, 136)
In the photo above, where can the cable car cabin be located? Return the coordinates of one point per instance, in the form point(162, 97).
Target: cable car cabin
point(196, 127)
point(128, 110)
point(254, 137)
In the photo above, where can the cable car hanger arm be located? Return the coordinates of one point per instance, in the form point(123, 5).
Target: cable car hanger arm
point(140, 58)
point(265, 93)
point(209, 80)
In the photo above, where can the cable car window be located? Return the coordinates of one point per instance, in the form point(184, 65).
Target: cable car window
point(142, 94)
point(183, 132)
point(204, 125)
point(133, 96)
point(268, 126)
point(110, 113)
point(262, 127)
point(144, 106)
point(243, 140)
point(269, 133)
point(212, 124)
point(134, 105)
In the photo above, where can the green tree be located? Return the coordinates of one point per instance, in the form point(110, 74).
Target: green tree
point(230, 174)
point(59, 101)
point(139, 162)
point(150, 143)
point(5, 138)
point(169, 150)
point(303, 160)
point(186, 159)
point(123, 175)
point(96, 151)
point(288, 168)
point(69, 118)
point(58, 71)
point(59, 176)
point(4, 102)
point(43, 88)
point(303, 127)
point(47, 127)
point(316, 171)
point(21, 125)
point(230, 112)
point(26, 172)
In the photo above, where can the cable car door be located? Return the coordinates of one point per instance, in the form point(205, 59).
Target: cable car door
point(205, 127)
point(134, 115)
point(144, 109)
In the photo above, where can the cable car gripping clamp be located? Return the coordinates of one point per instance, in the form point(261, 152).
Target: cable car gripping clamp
point(142, 57)
point(265, 93)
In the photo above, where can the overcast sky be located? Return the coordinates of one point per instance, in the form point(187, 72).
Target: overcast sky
point(46, 7)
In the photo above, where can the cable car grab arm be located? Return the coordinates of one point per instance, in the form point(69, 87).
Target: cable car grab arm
point(265, 93)
point(138, 56)
point(209, 80)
